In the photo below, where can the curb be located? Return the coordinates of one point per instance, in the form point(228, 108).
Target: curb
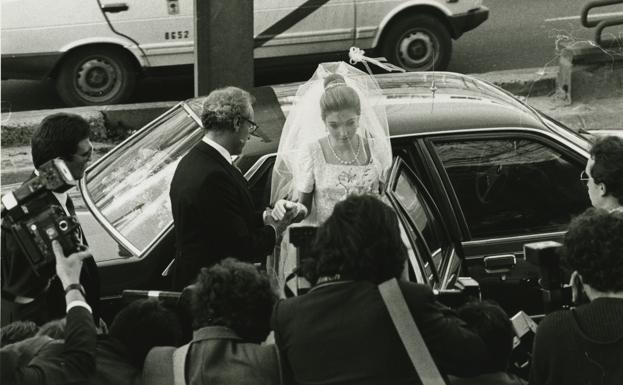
point(108, 123)
point(524, 82)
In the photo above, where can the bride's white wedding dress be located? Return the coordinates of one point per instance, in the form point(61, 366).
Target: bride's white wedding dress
point(301, 166)
point(332, 183)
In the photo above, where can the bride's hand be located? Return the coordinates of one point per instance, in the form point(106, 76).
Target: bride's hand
point(281, 208)
point(284, 208)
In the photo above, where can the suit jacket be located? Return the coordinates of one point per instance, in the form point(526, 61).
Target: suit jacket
point(341, 333)
point(214, 215)
point(74, 363)
point(218, 356)
point(112, 361)
point(18, 279)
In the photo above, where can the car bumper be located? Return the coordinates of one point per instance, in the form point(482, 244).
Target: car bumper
point(462, 23)
point(28, 66)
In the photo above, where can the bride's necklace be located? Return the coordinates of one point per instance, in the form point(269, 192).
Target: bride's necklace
point(346, 162)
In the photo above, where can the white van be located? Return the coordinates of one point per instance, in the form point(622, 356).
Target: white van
point(95, 49)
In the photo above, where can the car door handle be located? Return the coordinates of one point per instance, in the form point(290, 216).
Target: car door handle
point(115, 8)
point(499, 263)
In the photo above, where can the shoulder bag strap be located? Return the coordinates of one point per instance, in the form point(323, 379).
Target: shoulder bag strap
point(179, 363)
point(409, 333)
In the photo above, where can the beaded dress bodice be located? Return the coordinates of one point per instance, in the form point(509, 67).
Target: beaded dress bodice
point(332, 183)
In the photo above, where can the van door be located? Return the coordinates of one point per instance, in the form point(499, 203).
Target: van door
point(303, 27)
point(161, 28)
point(370, 16)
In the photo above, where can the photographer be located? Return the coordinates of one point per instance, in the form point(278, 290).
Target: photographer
point(231, 304)
point(27, 295)
point(76, 361)
point(604, 174)
point(340, 331)
point(585, 345)
point(491, 323)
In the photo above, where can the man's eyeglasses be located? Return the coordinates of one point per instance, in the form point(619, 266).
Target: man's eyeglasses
point(584, 177)
point(253, 127)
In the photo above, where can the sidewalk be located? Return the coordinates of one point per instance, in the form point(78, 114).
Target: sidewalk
point(537, 85)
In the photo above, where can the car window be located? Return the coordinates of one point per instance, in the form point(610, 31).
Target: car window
point(512, 186)
point(130, 188)
point(421, 215)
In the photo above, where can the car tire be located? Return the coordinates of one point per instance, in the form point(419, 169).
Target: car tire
point(418, 43)
point(96, 76)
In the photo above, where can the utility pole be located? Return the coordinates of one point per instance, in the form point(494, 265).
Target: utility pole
point(223, 44)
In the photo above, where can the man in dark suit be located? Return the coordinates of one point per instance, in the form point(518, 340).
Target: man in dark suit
point(25, 294)
point(213, 211)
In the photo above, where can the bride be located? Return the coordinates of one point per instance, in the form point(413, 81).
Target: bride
point(335, 142)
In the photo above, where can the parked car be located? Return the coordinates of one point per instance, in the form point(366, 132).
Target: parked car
point(95, 50)
point(477, 174)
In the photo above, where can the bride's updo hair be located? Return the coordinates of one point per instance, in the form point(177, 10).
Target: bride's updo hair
point(338, 96)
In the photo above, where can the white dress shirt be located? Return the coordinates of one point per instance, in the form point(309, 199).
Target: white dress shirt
point(222, 150)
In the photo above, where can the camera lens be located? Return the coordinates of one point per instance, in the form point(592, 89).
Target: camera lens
point(63, 225)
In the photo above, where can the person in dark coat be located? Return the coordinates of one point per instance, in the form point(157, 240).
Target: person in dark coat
point(74, 361)
point(603, 174)
point(585, 345)
point(118, 356)
point(25, 294)
point(340, 332)
point(232, 305)
point(213, 211)
point(492, 324)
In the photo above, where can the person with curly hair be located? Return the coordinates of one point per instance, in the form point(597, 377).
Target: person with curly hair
point(585, 345)
point(340, 332)
point(492, 324)
point(231, 304)
point(604, 173)
point(213, 211)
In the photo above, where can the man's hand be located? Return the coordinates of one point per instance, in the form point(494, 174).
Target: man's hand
point(68, 268)
point(279, 225)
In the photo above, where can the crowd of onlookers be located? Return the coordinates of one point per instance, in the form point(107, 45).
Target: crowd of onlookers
point(337, 333)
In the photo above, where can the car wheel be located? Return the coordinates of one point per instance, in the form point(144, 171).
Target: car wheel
point(418, 43)
point(96, 76)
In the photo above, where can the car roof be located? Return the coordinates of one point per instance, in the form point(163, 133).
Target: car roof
point(416, 103)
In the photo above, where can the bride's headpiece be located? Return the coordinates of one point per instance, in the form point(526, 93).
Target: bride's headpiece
point(334, 84)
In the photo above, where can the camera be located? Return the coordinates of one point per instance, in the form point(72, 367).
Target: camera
point(546, 256)
point(35, 222)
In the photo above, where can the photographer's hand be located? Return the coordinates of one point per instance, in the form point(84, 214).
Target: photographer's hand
point(68, 269)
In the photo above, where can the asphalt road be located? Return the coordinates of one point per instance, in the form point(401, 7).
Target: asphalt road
point(525, 34)
point(518, 34)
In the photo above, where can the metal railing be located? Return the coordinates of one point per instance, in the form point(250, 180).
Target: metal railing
point(600, 23)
